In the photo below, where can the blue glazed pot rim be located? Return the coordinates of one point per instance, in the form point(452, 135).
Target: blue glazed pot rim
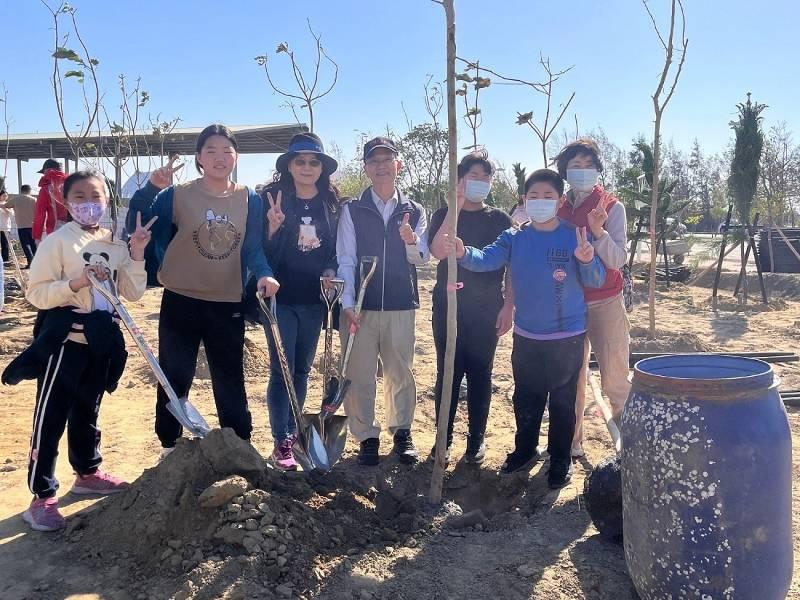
point(703, 375)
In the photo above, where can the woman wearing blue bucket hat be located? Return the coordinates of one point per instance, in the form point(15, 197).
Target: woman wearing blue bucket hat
point(300, 239)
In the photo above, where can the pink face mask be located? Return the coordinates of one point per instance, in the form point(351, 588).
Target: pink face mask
point(87, 214)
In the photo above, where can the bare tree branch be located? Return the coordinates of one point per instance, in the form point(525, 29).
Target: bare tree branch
point(655, 25)
point(307, 93)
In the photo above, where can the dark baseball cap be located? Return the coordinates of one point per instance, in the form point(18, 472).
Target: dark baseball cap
point(378, 142)
point(50, 163)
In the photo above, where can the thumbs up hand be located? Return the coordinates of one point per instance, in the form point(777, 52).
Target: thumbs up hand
point(406, 233)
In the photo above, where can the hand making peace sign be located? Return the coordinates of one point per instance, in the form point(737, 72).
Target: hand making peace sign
point(597, 218)
point(162, 178)
point(584, 252)
point(275, 215)
point(141, 237)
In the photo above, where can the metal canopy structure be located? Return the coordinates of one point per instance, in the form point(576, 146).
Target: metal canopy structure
point(252, 139)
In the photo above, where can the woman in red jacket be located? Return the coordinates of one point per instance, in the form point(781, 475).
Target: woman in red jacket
point(50, 212)
point(607, 326)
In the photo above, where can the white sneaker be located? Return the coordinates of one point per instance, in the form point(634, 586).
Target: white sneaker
point(577, 451)
point(165, 452)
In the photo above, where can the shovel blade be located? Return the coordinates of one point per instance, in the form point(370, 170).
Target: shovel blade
point(310, 451)
point(188, 416)
point(334, 434)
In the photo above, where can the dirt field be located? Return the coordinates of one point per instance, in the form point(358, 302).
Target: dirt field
point(350, 535)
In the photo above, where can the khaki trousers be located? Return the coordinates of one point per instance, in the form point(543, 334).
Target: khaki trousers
point(388, 335)
point(608, 334)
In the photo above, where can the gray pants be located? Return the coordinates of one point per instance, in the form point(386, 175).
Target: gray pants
point(388, 335)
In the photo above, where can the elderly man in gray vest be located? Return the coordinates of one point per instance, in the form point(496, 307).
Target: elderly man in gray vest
point(382, 222)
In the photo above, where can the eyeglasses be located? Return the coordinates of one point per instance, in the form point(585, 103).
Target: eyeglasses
point(380, 162)
point(311, 162)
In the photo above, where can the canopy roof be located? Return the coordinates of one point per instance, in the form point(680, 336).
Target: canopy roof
point(252, 139)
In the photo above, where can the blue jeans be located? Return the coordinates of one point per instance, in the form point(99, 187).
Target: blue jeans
point(300, 326)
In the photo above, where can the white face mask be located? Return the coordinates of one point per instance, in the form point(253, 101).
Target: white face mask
point(541, 211)
point(476, 190)
point(582, 180)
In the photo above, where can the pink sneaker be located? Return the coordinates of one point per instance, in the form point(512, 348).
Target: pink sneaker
point(283, 457)
point(43, 515)
point(99, 483)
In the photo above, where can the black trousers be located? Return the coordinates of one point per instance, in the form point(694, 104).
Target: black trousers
point(4, 246)
point(475, 349)
point(27, 242)
point(183, 323)
point(68, 395)
point(545, 368)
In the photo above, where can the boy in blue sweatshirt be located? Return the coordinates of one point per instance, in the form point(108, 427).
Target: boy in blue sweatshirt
point(551, 262)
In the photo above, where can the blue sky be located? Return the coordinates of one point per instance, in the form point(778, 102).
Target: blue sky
point(195, 58)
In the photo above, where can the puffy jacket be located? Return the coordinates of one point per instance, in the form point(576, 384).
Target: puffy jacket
point(49, 203)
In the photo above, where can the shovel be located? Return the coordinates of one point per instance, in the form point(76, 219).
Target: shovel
point(334, 430)
point(333, 426)
point(183, 410)
point(309, 449)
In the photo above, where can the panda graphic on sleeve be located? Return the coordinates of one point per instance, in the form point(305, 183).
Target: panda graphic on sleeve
point(100, 259)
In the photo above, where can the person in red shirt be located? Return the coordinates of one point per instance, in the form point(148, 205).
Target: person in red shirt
point(50, 212)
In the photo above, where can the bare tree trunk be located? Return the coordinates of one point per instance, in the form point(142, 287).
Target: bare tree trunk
point(653, 220)
point(659, 104)
point(437, 478)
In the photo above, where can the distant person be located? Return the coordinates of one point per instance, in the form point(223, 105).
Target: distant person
point(24, 206)
point(50, 212)
point(5, 226)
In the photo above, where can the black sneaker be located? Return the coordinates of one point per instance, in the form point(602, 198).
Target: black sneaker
point(560, 474)
point(518, 461)
point(404, 447)
point(475, 456)
point(368, 455)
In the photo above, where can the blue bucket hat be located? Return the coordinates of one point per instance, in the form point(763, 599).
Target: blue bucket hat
point(306, 142)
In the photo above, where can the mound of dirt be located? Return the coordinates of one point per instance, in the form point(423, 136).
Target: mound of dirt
point(256, 361)
point(213, 513)
point(754, 304)
point(665, 341)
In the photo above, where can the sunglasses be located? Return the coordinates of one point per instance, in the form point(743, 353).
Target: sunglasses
point(311, 162)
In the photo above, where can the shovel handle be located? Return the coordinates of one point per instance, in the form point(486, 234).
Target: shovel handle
point(371, 263)
point(297, 412)
point(133, 329)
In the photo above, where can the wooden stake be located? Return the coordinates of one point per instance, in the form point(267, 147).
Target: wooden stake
point(712, 265)
point(721, 256)
point(788, 243)
point(451, 220)
point(747, 253)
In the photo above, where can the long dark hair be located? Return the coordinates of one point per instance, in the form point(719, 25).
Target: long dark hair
point(283, 180)
point(215, 129)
